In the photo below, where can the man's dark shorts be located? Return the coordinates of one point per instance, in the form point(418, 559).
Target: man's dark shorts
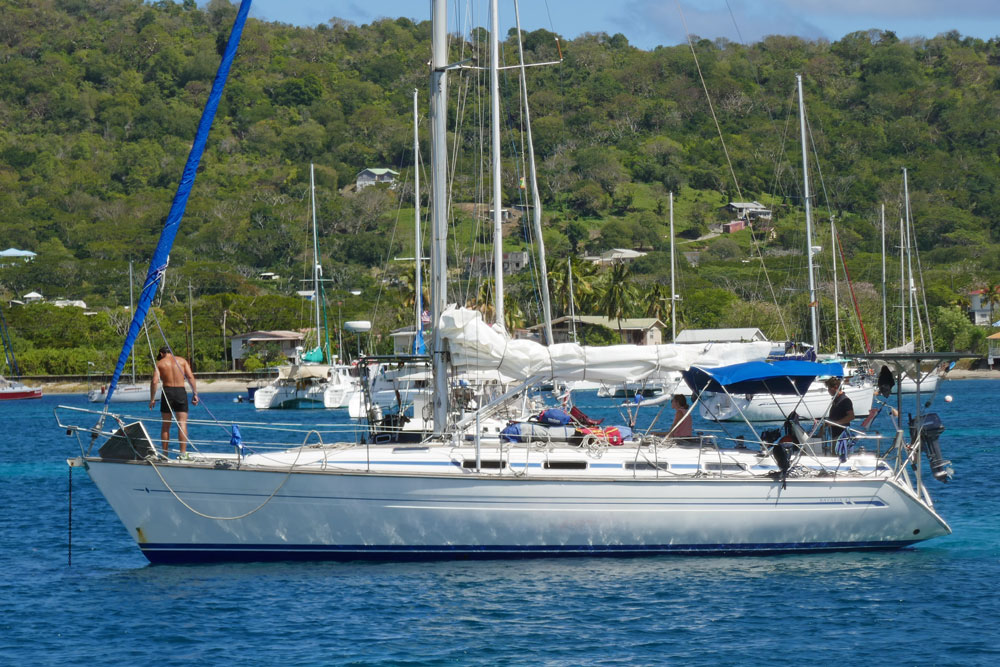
point(173, 399)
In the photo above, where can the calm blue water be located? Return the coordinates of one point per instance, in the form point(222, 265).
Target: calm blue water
point(933, 604)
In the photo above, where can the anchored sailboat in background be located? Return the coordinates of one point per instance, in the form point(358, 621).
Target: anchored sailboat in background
point(12, 388)
point(309, 492)
point(125, 392)
point(812, 402)
point(312, 382)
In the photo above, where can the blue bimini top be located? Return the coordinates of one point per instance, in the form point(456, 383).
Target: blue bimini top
point(757, 377)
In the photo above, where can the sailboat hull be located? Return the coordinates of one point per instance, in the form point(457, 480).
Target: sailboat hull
point(345, 516)
point(814, 404)
point(289, 397)
point(124, 393)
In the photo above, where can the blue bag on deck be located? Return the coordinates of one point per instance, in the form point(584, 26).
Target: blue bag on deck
point(554, 417)
point(512, 433)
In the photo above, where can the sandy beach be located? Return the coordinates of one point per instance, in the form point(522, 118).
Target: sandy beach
point(204, 386)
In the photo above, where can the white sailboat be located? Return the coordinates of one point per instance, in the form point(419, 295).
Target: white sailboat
point(457, 494)
point(125, 392)
point(814, 402)
point(304, 384)
point(918, 381)
point(12, 389)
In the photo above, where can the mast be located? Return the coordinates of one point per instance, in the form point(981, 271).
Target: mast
point(497, 195)
point(191, 331)
point(536, 200)
point(439, 204)
point(813, 304)
point(131, 310)
point(836, 294)
point(418, 298)
point(902, 287)
point(885, 319)
point(572, 304)
point(673, 286)
point(909, 262)
point(316, 267)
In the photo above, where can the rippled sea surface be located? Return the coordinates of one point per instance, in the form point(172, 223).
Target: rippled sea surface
point(937, 603)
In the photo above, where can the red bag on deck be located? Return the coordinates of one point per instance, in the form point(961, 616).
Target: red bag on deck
point(581, 418)
point(611, 434)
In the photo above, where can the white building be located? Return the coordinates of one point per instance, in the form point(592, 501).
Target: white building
point(979, 308)
point(615, 255)
point(242, 345)
point(12, 255)
point(749, 211)
point(371, 176)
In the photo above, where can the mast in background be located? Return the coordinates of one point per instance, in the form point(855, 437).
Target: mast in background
point(418, 339)
point(536, 200)
point(813, 303)
point(673, 284)
point(885, 318)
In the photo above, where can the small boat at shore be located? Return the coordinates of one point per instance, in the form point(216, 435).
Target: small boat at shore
point(12, 388)
point(15, 389)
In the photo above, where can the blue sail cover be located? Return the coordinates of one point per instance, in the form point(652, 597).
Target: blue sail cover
point(759, 377)
point(158, 264)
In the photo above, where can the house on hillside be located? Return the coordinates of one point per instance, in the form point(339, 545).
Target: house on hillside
point(13, 255)
point(749, 211)
point(69, 303)
point(979, 308)
point(615, 255)
point(734, 226)
point(242, 345)
point(512, 263)
point(373, 175)
point(33, 297)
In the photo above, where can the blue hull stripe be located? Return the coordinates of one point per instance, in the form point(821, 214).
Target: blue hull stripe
point(210, 553)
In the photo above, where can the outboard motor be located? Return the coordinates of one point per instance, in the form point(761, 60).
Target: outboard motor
point(929, 429)
point(885, 382)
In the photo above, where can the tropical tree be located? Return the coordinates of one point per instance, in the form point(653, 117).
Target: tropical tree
point(991, 296)
point(619, 295)
point(658, 301)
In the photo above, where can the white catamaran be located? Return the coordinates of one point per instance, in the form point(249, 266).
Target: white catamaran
point(460, 494)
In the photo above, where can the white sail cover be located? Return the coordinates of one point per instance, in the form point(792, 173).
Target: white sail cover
point(473, 344)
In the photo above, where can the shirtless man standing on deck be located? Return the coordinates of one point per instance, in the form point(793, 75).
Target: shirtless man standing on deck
point(173, 370)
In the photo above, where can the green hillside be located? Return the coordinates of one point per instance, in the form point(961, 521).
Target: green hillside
point(99, 102)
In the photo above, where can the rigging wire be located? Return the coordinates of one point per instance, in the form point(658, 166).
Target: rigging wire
point(859, 323)
point(725, 149)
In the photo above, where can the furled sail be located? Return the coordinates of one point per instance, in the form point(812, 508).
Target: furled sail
point(474, 345)
point(161, 256)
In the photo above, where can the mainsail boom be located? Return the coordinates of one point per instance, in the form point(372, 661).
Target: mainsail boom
point(474, 345)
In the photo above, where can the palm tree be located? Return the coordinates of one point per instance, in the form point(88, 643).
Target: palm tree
point(584, 274)
point(991, 295)
point(658, 296)
point(619, 295)
point(513, 314)
point(583, 286)
point(483, 301)
point(408, 295)
point(559, 283)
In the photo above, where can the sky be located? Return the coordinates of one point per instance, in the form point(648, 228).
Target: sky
point(649, 23)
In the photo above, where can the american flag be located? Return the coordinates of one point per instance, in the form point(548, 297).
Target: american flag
point(425, 317)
